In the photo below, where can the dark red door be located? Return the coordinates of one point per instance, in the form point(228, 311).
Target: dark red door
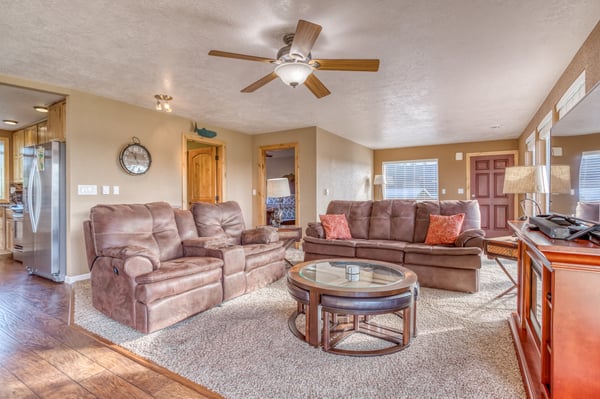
point(487, 182)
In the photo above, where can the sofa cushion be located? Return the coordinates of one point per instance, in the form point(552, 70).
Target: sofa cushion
point(358, 215)
point(164, 229)
point(443, 230)
point(176, 277)
point(424, 209)
point(218, 219)
point(469, 207)
point(117, 225)
point(385, 250)
point(335, 248)
point(180, 268)
point(336, 227)
point(185, 224)
point(393, 220)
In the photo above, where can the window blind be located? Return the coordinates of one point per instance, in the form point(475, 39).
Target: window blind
point(589, 176)
point(572, 96)
point(416, 179)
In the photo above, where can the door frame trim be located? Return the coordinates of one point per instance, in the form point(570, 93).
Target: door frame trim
point(221, 151)
point(470, 155)
point(261, 196)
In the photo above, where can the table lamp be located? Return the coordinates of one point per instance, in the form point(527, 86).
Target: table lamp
point(526, 180)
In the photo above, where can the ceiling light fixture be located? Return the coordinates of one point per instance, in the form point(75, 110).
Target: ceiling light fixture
point(162, 102)
point(40, 108)
point(293, 73)
point(10, 122)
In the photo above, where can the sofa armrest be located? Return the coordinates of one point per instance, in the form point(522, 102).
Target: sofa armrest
point(315, 229)
point(470, 238)
point(260, 235)
point(129, 251)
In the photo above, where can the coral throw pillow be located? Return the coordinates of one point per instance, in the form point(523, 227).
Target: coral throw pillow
point(444, 229)
point(336, 227)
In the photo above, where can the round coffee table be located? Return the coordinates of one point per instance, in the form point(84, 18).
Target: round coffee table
point(345, 294)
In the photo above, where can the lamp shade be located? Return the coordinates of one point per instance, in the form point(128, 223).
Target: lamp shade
point(525, 179)
point(277, 188)
point(293, 73)
point(560, 179)
point(378, 180)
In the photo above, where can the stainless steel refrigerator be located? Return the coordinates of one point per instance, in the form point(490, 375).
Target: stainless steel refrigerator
point(44, 210)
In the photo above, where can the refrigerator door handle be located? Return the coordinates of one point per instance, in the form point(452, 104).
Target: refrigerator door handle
point(34, 195)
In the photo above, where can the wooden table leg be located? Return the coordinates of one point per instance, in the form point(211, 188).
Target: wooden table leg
point(312, 318)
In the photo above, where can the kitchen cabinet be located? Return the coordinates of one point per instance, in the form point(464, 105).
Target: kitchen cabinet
point(18, 143)
point(9, 230)
point(56, 129)
point(42, 132)
point(30, 136)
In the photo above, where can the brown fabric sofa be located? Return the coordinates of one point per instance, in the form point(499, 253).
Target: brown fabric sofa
point(150, 268)
point(395, 231)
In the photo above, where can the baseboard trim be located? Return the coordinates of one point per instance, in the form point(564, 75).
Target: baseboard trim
point(79, 277)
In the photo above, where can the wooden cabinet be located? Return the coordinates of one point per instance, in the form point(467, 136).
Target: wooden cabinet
point(42, 132)
point(10, 231)
point(56, 129)
point(18, 143)
point(30, 136)
point(557, 326)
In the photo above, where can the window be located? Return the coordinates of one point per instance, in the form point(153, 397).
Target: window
point(589, 176)
point(416, 180)
point(572, 96)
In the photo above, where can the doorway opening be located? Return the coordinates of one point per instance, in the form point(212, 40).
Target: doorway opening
point(485, 182)
point(203, 171)
point(276, 162)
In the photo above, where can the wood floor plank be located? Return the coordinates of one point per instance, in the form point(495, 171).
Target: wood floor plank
point(43, 356)
point(42, 378)
point(107, 385)
point(11, 387)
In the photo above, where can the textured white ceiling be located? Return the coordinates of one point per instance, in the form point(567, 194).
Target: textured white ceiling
point(449, 69)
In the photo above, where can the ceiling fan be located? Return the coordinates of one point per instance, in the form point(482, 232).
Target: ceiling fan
point(294, 64)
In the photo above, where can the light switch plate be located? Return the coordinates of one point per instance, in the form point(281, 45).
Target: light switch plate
point(105, 190)
point(87, 189)
point(461, 190)
point(115, 190)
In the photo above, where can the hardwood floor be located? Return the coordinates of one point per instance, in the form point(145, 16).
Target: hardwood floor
point(42, 356)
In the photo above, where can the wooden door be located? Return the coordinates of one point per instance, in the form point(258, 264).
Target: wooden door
point(202, 175)
point(487, 182)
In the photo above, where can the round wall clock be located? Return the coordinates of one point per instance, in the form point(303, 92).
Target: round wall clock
point(135, 159)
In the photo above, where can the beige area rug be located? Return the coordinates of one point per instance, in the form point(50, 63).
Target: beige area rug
point(244, 349)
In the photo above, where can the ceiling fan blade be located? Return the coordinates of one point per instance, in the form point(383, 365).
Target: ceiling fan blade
point(346, 65)
point(225, 54)
point(260, 83)
point(316, 86)
point(304, 38)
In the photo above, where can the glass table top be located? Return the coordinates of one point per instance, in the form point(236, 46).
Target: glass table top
point(351, 274)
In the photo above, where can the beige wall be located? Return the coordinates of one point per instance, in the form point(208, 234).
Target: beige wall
point(452, 174)
point(587, 58)
point(344, 169)
point(572, 147)
point(306, 139)
point(97, 128)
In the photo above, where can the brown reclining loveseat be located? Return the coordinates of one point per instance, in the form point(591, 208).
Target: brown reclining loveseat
point(150, 267)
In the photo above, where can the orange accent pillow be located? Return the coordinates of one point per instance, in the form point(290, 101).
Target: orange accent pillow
point(444, 229)
point(336, 227)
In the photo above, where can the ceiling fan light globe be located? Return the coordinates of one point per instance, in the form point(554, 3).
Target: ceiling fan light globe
point(293, 73)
